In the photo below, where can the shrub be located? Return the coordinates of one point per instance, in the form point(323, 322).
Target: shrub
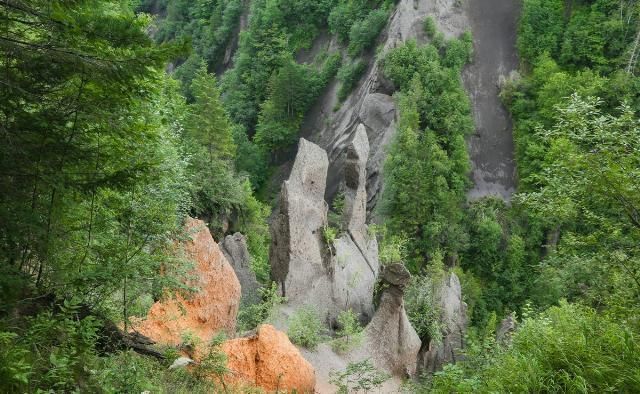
point(458, 52)
point(430, 26)
point(363, 33)
point(358, 376)
point(567, 348)
point(305, 328)
point(349, 332)
point(329, 235)
point(349, 74)
point(421, 307)
point(214, 362)
point(250, 316)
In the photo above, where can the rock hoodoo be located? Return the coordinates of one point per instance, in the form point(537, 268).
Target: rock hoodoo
point(236, 251)
point(298, 254)
point(213, 308)
point(390, 339)
point(356, 251)
point(453, 318)
point(268, 360)
point(332, 277)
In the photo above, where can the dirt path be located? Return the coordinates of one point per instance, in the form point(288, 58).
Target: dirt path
point(491, 148)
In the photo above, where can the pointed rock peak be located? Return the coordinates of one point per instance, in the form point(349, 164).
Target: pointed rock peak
point(236, 251)
point(389, 337)
point(357, 156)
point(213, 308)
point(309, 172)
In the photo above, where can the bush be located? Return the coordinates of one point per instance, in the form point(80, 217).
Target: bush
point(568, 348)
point(305, 328)
point(349, 332)
point(349, 74)
point(358, 376)
point(250, 316)
point(421, 306)
point(430, 26)
point(363, 33)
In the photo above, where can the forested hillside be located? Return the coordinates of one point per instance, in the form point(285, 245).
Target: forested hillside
point(121, 120)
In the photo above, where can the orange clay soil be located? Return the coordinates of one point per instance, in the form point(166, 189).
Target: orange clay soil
point(268, 360)
point(212, 309)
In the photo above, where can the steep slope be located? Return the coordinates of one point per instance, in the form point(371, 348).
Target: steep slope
point(491, 149)
point(371, 103)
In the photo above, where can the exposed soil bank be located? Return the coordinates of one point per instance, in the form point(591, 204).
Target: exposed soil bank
point(491, 149)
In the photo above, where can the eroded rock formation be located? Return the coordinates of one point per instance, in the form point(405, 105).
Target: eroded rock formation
point(236, 251)
point(453, 319)
point(298, 253)
point(371, 103)
point(310, 270)
point(356, 260)
point(213, 308)
point(268, 360)
point(390, 339)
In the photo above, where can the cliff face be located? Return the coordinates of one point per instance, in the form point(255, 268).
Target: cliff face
point(310, 268)
point(371, 103)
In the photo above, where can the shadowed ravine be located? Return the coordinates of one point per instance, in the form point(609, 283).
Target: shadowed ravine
point(491, 149)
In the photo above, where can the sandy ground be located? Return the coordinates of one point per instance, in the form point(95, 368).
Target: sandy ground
point(491, 149)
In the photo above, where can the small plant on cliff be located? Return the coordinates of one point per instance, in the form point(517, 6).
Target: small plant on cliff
point(250, 316)
point(358, 376)
point(214, 363)
point(430, 27)
point(329, 235)
point(393, 249)
point(349, 333)
point(337, 209)
point(305, 328)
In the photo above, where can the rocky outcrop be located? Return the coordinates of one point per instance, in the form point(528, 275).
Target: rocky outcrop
point(356, 252)
point(212, 308)
point(390, 340)
point(299, 257)
point(453, 319)
point(268, 360)
point(333, 277)
point(371, 103)
point(235, 250)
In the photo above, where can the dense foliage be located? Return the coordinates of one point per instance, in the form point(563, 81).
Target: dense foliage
point(568, 241)
point(426, 169)
point(101, 159)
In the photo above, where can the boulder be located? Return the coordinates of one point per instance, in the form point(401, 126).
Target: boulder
point(212, 308)
point(453, 318)
point(181, 362)
point(389, 339)
point(268, 360)
point(236, 251)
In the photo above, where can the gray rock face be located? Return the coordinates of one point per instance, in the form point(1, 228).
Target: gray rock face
point(390, 339)
point(371, 103)
point(234, 248)
point(298, 255)
point(331, 278)
point(356, 258)
point(453, 318)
